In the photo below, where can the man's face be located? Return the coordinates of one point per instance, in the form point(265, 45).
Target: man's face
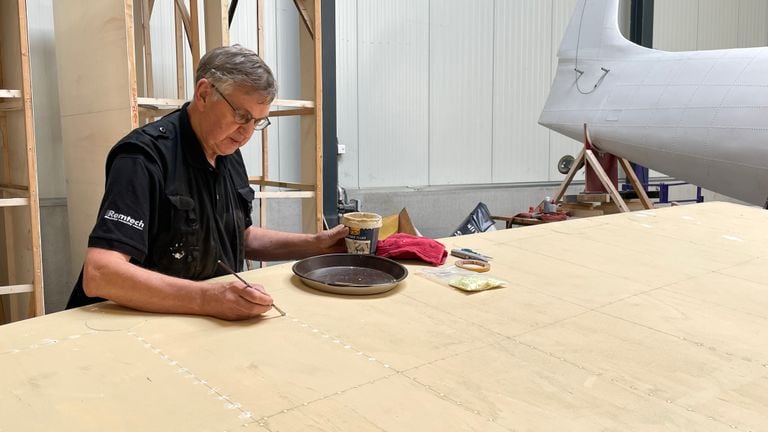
point(231, 117)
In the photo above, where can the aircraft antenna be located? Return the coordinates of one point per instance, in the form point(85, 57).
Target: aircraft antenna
point(578, 71)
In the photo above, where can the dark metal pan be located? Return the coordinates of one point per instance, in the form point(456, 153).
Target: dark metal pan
point(350, 274)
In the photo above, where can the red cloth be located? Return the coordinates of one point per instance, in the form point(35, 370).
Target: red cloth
point(407, 246)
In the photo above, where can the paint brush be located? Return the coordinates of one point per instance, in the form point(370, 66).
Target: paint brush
point(232, 272)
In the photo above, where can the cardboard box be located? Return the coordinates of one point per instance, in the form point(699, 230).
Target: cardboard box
point(397, 223)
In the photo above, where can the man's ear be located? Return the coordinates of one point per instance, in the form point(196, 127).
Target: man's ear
point(203, 90)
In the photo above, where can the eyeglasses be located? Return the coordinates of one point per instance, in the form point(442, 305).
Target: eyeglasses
point(244, 117)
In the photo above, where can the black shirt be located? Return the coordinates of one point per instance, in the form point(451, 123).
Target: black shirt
point(167, 208)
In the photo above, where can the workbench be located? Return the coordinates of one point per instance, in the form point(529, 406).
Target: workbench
point(651, 320)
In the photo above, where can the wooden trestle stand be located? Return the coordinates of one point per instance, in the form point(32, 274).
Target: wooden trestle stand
point(591, 163)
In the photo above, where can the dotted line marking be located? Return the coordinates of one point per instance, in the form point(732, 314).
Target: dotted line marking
point(214, 392)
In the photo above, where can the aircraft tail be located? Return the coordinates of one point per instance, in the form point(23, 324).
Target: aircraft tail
point(593, 33)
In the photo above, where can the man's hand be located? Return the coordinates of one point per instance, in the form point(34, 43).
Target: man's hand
point(269, 245)
point(234, 301)
point(332, 240)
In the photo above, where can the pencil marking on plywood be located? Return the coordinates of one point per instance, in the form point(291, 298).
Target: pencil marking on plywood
point(229, 404)
point(44, 343)
point(338, 341)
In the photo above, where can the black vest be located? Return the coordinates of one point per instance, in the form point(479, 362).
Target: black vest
point(185, 234)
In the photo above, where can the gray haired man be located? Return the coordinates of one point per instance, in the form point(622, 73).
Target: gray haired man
point(177, 200)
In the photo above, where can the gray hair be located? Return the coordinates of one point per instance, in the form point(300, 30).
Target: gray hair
point(236, 66)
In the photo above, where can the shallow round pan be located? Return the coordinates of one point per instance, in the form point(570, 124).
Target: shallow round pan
point(350, 274)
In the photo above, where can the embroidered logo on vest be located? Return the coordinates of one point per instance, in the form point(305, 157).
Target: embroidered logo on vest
point(113, 215)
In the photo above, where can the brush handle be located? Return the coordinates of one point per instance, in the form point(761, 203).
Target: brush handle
point(232, 272)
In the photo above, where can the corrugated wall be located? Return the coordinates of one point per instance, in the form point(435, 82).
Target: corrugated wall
point(447, 92)
point(393, 92)
point(687, 25)
point(461, 43)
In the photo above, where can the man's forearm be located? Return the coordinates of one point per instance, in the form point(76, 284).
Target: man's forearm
point(109, 275)
point(269, 245)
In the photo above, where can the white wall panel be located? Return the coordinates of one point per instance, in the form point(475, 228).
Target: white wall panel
point(244, 31)
point(163, 50)
point(718, 24)
point(45, 99)
point(460, 91)
point(522, 70)
point(288, 74)
point(393, 50)
point(683, 25)
point(675, 25)
point(753, 23)
point(559, 145)
point(346, 91)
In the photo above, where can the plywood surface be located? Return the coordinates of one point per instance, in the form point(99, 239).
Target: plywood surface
point(652, 320)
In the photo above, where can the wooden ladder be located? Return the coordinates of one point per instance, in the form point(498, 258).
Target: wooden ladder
point(21, 273)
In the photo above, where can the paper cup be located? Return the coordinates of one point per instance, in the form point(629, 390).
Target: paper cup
point(363, 232)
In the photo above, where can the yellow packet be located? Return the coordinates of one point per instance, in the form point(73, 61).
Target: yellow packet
point(476, 283)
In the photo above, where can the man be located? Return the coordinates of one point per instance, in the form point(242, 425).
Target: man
point(177, 200)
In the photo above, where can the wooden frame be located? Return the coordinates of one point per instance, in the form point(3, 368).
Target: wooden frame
point(123, 97)
point(310, 109)
point(20, 211)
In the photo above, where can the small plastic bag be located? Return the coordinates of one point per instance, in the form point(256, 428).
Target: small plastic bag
point(476, 282)
point(462, 279)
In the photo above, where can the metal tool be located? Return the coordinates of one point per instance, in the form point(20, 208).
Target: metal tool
point(227, 268)
point(469, 254)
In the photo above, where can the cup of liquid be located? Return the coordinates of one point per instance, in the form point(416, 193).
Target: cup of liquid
point(363, 232)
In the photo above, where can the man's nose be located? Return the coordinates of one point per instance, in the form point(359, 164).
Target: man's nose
point(245, 129)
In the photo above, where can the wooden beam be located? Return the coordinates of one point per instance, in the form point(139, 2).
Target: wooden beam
point(160, 103)
point(265, 174)
point(4, 93)
point(285, 194)
point(9, 225)
point(575, 167)
point(264, 132)
point(605, 180)
point(292, 112)
point(635, 182)
point(178, 22)
point(11, 106)
point(306, 107)
point(293, 103)
point(147, 45)
point(216, 24)
point(137, 22)
point(166, 103)
point(157, 107)
point(16, 289)
point(181, 9)
point(194, 34)
point(14, 187)
point(14, 202)
point(260, 28)
point(318, 78)
point(259, 180)
point(301, 7)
